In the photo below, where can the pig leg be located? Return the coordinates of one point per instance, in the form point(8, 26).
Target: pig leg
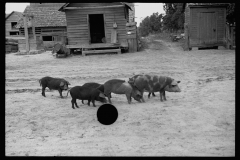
point(153, 94)
point(109, 100)
point(128, 98)
point(164, 96)
point(72, 104)
point(60, 92)
point(161, 95)
point(82, 102)
point(142, 97)
point(89, 100)
point(93, 102)
point(149, 94)
point(74, 101)
point(43, 91)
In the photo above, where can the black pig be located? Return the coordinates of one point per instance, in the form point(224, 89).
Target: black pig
point(96, 86)
point(85, 93)
point(53, 84)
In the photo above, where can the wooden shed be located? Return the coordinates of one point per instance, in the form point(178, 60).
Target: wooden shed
point(49, 23)
point(98, 26)
point(205, 25)
point(10, 23)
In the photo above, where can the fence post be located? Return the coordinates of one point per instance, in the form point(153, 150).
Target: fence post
point(186, 44)
point(26, 32)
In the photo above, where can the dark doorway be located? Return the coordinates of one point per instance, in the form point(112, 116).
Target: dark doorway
point(97, 31)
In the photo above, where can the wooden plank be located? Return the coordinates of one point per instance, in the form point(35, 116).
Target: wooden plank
point(114, 36)
point(131, 36)
point(77, 13)
point(101, 51)
point(186, 32)
point(131, 28)
point(94, 7)
point(98, 45)
point(132, 43)
point(105, 28)
point(92, 4)
point(131, 24)
point(26, 33)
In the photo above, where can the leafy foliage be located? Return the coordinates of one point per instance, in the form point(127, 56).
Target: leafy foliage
point(150, 24)
point(174, 18)
point(231, 13)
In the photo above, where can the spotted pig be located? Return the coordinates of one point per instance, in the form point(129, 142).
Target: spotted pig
point(154, 83)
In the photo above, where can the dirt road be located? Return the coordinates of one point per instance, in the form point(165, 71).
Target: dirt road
point(199, 121)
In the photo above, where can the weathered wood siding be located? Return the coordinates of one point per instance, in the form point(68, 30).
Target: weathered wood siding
point(12, 18)
point(59, 34)
point(197, 21)
point(77, 22)
point(92, 4)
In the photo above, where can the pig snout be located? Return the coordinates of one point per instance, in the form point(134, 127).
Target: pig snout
point(103, 100)
point(172, 88)
point(137, 98)
point(65, 87)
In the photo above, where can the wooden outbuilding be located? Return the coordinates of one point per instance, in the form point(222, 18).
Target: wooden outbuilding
point(205, 25)
point(49, 23)
point(93, 27)
point(11, 22)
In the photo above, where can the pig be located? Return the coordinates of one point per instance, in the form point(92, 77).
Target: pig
point(95, 85)
point(154, 83)
point(85, 93)
point(134, 77)
point(53, 84)
point(119, 86)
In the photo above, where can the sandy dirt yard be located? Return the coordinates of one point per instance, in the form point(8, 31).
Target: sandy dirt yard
point(199, 121)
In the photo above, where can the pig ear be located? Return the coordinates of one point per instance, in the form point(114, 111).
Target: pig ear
point(174, 82)
point(178, 81)
point(101, 95)
point(62, 83)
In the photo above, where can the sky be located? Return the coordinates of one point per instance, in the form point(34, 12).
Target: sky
point(142, 10)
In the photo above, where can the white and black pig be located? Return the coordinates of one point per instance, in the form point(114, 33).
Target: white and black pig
point(85, 93)
point(154, 83)
point(119, 86)
point(53, 84)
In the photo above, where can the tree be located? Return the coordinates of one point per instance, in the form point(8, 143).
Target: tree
point(174, 18)
point(231, 13)
point(150, 24)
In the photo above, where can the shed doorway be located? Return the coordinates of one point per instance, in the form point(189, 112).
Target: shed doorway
point(96, 28)
point(208, 27)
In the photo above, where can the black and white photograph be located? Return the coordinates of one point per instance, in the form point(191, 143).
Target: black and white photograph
point(120, 79)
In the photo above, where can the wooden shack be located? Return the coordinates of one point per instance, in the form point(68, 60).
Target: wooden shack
point(49, 23)
point(97, 26)
point(11, 22)
point(205, 25)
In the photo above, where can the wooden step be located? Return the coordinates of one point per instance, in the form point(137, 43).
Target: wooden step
point(101, 51)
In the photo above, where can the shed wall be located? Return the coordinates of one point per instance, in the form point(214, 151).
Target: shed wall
point(13, 18)
point(92, 4)
point(194, 24)
point(77, 23)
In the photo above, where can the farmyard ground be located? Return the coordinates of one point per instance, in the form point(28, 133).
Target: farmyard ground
point(199, 121)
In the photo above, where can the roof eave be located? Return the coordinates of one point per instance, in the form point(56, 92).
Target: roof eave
point(126, 5)
point(62, 8)
point(9, 15)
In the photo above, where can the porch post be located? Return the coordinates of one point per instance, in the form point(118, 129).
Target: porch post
point(26, 32)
